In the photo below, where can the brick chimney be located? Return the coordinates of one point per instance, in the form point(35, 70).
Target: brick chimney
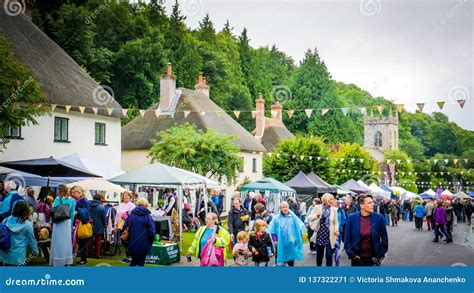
point(260, 116)
point(278, 108)
point(201, 86)
point(167, 88)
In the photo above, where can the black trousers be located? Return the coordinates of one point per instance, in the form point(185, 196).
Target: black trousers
point(362, 262)
point(312, 245)
point(449, 228)
point(320, 254)
point(419, 223)
point(82, 243)
point(138, 260)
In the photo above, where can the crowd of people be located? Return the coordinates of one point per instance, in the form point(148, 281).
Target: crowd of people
point(253, 236)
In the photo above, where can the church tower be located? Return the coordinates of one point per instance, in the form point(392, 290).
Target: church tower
point(381, 133)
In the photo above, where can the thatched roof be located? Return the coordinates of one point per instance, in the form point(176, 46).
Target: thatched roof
point(137, 133)
point(274, 132)
point(61, 78)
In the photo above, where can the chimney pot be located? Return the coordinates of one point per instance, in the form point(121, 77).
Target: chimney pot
point(201, 86)
point(167, 88)
point(169, 71)
point(200, 78)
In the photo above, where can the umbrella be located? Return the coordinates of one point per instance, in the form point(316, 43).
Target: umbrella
point(92, 165)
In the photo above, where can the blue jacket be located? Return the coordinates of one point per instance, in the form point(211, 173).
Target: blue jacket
point(21, 236)
point(8, 204)
point(141, 232)
point(341, 218)
point(83, 203)
point(98, 217)
point(379, 235)
point(420, 211)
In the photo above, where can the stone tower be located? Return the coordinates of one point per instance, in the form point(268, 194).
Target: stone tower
point(381, 133)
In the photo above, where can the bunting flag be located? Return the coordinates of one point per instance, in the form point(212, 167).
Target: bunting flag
point(342, 159)
point(82, 109)
point(310, 158)
point(278, 155)
point(294, 156)
point(461, 103)
point(352, 160)
point(388, 161)
point(274, 113)
point(68, 107)
point(429, 161)
point(124, 112)
point(186, 113)
point(324, 111)
point(254, 113)
point(39, 105)
point(237, 114)
point(408, 161)
point(398, 161)
point(361, 160)
point(95, 110)
point(308, 112)
point(421, 106)
point(142, 112)
point(157, 112)
point(446, 161)
point(455, 161)
point(319, 158)
point(110, 110)
point(400, 108)
point(435, 161)
point(269, 154)
point(301, 157)
point(441, 105)
point(466, 160)
point(202, 113)
point(53, 106)
point(290, 113)
point(344, 111)
point(380, 108)
point(218, 114)
point(363, 111)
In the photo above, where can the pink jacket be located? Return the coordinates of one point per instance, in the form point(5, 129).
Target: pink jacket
point(123, 210)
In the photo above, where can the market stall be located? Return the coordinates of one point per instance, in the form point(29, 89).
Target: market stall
point(271, 189)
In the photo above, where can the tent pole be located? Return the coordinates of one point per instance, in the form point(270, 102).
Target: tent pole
point(180, 214)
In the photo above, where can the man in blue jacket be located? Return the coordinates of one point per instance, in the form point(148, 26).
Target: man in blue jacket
point(9, 200)
point(365, 237)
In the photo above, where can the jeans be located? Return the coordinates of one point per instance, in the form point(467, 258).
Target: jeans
point(260, 264)
point(320, 254)
point(441, 228)
point(138, 260)
point(418, 223)
point(302, 217)
point(406, 213)
point(387, 221)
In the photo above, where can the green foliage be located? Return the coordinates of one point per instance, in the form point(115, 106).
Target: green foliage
point(405, 170)
point(290, 150)
point(207, 153)
point(19, 93)
point(352, 154)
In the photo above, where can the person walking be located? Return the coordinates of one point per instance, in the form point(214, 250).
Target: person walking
point(393, 210)
point(302, 210)
point(253, 201)
point(30, 198)
point(406, 210)
point(440, 222)
point(241, 251)
point(469, 209)
point(211, 230)
point(312, 245)
point(365, 237)
point(21, 236)
point(419, 214)
point(61, 240)
point(99, 223)
point(286, 230)
point(83, 212)
point(260, 244)
point(341, 219)
point(237, 218)
point(141, 232)
point(123, 211)
point(429, 209)
point(324, 222)
point(449, 218)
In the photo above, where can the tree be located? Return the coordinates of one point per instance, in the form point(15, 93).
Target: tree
point(353, 157)
point(286, 161)
point(413, 147)
point(19, 93)
point(208, 153)
point(404, 169)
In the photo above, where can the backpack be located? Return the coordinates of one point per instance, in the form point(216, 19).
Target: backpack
point(5, 241)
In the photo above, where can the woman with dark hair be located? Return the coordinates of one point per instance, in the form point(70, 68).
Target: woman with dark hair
point(21, 236)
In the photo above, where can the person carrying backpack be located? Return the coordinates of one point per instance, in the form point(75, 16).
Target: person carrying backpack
point(16, 234)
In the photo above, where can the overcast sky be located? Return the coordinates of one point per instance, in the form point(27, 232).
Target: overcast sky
point(406, 51)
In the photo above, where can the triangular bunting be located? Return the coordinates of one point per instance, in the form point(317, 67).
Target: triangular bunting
point(435, 161)
point(466, 160)
point(68, 108)
point(310, 158)
point(342, 159)
point(82, 109)
point(124, 112)
point(400, 108)
point(352, 160)
point(186, 113)
point(274, 113)
point(344, 111)
point(142, 112)
point(441, 105)
point(301, 157)
point(446, 161)
point(398, 161)
point(363, 111)
point(254, 113)
point(388, 161)
point(39, 105)
point(455, 161)
point(324, 111)
point(53, 106)
point(290, 113)
point(278, 155)
point(319, 158)
point(361, 160)
point(408, 161)
point(461, 103)
point(110, 110)
point(95, 110)
point(380, 108)
point(237, 114)
point(308, 112)
point(420, 106)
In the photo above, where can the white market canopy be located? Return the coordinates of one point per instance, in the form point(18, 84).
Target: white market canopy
point(462, 195)
point(104, 170)
point(377, 191)
point(447, 192)
point(430, 192)
point(99, 185)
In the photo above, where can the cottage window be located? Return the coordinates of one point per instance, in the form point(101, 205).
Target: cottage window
point(61, 129)
point(99, 133)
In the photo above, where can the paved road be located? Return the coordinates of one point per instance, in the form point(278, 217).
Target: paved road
point(410, 247)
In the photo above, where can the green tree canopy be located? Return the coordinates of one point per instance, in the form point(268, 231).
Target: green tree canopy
point(353, 157)
point(207, 153)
